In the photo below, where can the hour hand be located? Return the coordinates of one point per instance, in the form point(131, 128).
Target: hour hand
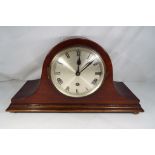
point(78, 63)
point(79, 59)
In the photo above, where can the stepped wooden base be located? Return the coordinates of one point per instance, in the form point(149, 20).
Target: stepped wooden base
point(73, 109)
point(23, 102)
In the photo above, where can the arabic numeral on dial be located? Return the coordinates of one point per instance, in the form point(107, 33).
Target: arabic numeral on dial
point(94, 81)
point(67, 55)
point(59, 80)
point(98, 73)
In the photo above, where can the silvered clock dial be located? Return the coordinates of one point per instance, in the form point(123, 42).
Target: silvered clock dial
point(77, 71)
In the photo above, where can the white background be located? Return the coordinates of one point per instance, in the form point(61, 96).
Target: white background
point(132, 50)
point(81, 12)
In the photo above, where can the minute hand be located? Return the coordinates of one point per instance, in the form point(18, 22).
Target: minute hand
point(89, 63)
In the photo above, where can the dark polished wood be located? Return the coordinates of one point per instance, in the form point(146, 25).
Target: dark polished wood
point(41, 95)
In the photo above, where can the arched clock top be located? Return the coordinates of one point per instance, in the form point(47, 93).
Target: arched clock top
point(80, 42)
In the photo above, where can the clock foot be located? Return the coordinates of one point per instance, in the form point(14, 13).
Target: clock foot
point(136, 112)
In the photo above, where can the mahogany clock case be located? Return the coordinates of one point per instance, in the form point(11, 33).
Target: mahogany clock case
point(41, 96)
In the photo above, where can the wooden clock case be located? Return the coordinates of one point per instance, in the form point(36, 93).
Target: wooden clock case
point(41, 95)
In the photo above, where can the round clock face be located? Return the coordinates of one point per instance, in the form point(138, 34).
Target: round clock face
point(77, 71)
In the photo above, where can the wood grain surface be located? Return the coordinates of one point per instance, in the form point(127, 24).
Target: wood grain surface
point(41, 95)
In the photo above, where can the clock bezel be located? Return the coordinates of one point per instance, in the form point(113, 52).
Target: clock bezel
point(52, 77)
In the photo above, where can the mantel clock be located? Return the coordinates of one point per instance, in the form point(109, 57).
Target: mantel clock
point(77, 76)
